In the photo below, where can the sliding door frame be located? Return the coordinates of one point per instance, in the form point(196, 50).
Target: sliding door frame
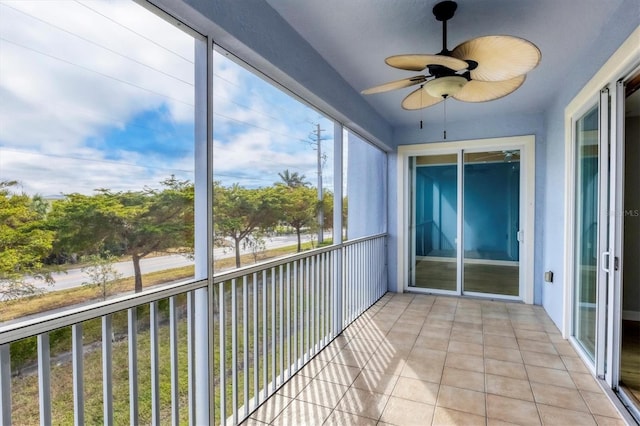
point(623, 63)
point(526, 145)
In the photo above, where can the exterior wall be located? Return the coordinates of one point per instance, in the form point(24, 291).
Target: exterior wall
point(623, 22)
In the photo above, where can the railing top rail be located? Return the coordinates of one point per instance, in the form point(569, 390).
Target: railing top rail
point(247, 270)
point(49, 322)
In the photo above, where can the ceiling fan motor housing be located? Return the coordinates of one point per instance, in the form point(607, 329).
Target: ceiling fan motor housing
point(445, 10)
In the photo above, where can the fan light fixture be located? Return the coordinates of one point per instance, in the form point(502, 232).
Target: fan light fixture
point(478, 70)
point(445, 86)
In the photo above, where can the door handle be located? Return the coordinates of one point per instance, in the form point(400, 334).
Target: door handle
point(602, 263)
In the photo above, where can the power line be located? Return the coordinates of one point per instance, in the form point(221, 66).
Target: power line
point(246, 123)
point(96, 72)
point(270, 104)
point(136, 33)
point(100, 45)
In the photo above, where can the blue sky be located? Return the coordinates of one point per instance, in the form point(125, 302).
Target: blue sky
point(100, 94)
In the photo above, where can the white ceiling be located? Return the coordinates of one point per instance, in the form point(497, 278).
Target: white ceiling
point(355, 36)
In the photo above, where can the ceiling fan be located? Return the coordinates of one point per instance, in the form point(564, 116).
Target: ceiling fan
point(478, 70)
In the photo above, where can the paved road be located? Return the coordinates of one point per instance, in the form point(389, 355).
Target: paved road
point(75, 277)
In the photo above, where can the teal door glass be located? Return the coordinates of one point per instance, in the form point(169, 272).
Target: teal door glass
point(586, 231)
point(491, 221)
point(435, 222)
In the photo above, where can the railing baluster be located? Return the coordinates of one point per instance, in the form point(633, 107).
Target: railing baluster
point(44, 378)
point(77, 360)
point(362, 279)
point(256, 360)
point(173, 346)
point(265, 337)
point(273, 331)
point(107, 376)
point(322, 293)
point(281, 317)
point(319, 305)
point(360, 267)
point(302, 324)
point(312, 308)
point(367, 274)
point(234, 352)
point(245, 343)
point(325, 310)
point(305, 318)
point(288, 320)
point(344, 288)
point(155, 371)
point(222, 354)
point(191, 362)
point(295, 316)
point(5, 384)
point(132, 323)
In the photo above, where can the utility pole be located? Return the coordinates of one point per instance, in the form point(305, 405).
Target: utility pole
point(320, 194)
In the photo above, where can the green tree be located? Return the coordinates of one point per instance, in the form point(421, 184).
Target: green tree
point(238, 213)
point(293, 179)
point(139, 223)
point(24, 243)
point(327, 207)
point(299, 208)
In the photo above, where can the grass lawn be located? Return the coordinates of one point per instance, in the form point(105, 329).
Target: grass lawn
point(53, 299)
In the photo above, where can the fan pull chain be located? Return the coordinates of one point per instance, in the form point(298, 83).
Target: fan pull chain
point(421, 103)
point(445, 117)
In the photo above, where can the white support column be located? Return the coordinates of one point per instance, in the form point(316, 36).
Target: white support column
point(202, 316)
point(337, 227)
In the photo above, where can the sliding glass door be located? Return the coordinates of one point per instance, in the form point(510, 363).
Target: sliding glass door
point(491, 194)
point(466, 222)
point(586, 229)
point(435, 213)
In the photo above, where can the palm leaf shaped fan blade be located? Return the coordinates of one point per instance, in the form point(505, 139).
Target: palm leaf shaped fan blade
point(419, 99)
point(482, 91)
point(498, 57)
point(398, 84)
point(478, 70)
point(420, 62)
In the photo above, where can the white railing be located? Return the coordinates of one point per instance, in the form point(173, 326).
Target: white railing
point(132, 359)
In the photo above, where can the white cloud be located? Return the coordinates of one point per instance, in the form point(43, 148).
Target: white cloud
point(72, 71)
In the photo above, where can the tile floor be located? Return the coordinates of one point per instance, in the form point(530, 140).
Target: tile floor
point(427, 360)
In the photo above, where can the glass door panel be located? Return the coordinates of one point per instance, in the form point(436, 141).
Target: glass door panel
point(586, 231)
point(491, 222)
point(435, 213)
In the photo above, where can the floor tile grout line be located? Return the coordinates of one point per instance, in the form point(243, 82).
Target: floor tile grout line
point(539, 322)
